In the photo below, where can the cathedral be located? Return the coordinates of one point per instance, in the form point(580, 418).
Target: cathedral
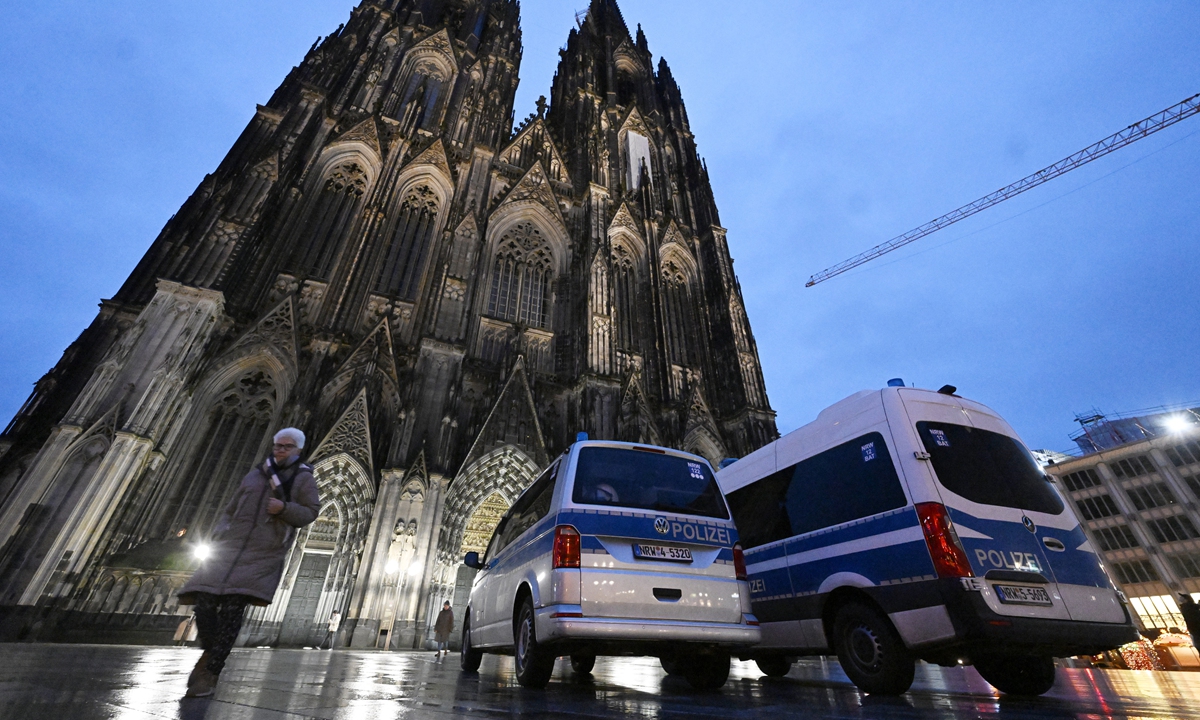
point(439, 296)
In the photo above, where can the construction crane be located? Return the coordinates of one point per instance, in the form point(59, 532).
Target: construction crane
point(1114, 142)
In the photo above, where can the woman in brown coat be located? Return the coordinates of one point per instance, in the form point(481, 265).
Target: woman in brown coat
point(249, 546)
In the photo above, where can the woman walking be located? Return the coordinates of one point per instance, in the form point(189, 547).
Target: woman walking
point(249, 545)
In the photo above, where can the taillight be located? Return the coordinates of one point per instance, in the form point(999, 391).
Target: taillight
point(566, 547)
point(739, 562)
point(949, 558)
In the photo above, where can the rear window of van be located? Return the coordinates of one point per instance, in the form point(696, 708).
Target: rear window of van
point(987, 468)
point(643, 480)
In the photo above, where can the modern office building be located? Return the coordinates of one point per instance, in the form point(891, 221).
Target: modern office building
point(1139, 503)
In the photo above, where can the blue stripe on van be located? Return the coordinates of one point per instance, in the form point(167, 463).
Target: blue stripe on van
point(640, 525)
point(876, 524)
point(883, 549)
point(906, 562)
point(766, 552)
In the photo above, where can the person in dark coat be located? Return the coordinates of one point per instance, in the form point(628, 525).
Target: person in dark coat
point(443, 627)
point(249, 546)
point(1191, 617)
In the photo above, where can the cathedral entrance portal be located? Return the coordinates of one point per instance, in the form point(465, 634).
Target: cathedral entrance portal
point(300, 625)
point(476, 536)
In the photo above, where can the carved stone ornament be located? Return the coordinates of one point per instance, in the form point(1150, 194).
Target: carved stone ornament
point(351, 434)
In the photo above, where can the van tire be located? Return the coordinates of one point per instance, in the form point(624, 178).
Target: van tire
point(870, 650)
point(671, 665)
point(1017, 674)
point(533, 663)
point(773, 666)
point(707, 671)
point(583, 664)
point(469, 657)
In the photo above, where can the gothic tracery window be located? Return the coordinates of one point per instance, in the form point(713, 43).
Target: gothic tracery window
point(238, 424)
point(680, 319)
point(332, 215)
point(406, 254)
point(521, 278)
point(624, 297)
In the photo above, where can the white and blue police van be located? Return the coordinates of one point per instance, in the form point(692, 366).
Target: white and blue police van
point(908, 524)
point(615, 549)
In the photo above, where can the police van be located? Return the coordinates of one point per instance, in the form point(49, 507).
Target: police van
point(908, 524)
point(616, 549)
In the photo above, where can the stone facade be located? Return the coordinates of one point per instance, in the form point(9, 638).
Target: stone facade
point(441, 300)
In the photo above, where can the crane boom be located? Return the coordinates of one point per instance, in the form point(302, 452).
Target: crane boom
point(1113, 142)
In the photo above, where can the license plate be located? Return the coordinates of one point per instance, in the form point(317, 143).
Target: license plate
point(662, 552)
point(1023, 595)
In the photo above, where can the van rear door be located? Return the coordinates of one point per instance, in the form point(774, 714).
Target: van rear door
point(656, 537)
point(989, 484)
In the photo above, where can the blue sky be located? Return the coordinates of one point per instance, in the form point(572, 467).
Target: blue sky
point(827, 128)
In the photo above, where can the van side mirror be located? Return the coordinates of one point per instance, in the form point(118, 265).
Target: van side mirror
point(472, 561)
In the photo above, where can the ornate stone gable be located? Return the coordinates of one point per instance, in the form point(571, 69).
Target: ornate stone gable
point(276, 329)
point(532, 144)
point(351, 435)
point(375, 353)
point(624, 218)
point(439, 42)
point(367, 133)
point(434, 155)
point(672, 235)
point(634, 122)
point(534, 188)
point(636, 423)
point(513, 420)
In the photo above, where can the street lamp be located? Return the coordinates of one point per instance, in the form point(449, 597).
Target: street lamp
point(202, 552)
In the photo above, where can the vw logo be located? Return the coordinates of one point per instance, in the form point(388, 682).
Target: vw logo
point(661, 526)
point(1029, 524)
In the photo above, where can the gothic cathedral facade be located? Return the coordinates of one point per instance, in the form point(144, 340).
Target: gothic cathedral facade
point(440, 298)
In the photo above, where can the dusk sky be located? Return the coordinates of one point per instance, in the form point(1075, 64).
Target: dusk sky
point(827, 127)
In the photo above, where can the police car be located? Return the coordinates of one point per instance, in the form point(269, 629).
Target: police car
point(616, 549)
point(908, 524)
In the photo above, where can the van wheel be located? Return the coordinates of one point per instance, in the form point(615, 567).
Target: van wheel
point(671, 665)
point(707, 671)
point(871, 651)
point(469, 657)
point(1017, 674)
point(773, 666)
point(583, 664)
point(534, 664)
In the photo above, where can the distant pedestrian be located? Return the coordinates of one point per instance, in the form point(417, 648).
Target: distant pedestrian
point(1191, 617)
point(335, 622)
point(249, 545)
point(442, 629)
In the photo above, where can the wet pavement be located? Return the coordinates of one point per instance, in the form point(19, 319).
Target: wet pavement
point(69, 682)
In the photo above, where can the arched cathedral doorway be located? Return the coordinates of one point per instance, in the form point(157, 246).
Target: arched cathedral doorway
point(478, 498)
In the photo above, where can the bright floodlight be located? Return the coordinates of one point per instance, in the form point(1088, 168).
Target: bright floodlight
point(392, 567)
point(202, 552)
point(414, 569)
point(1178, 423)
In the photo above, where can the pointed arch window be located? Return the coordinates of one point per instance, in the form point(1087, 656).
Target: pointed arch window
point(521, 278)
point(680, 317)
point(624, 298)
point(406, 255)
point(238, 423)
point(331, 218)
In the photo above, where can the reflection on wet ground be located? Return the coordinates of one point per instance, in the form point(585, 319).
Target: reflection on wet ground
point(66, 682)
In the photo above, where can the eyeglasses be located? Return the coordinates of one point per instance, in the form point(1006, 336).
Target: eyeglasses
point(285, 446)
